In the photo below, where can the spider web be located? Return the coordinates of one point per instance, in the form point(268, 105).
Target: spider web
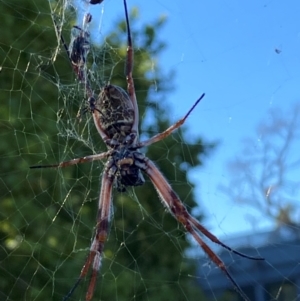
point(48, 215)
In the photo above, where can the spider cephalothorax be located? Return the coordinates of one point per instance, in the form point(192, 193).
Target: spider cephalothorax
point(125, 166)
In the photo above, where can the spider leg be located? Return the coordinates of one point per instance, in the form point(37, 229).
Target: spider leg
point(169, 130)
point(96, 251)
point(129, 78)
point(97, 121)
point(177, 209)
point(76, 161)
point(214, 239)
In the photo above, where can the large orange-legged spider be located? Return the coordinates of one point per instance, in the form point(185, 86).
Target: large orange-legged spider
point(116, 117)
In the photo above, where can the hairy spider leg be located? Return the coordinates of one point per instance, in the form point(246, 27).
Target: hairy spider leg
point(129, 78)
point(172, 202)
point(96, 250)
point(171, 129)
point(75, 161)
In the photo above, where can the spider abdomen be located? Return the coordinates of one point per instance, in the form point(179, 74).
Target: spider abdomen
point(117, 112)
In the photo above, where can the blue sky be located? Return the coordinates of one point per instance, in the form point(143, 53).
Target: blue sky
point(227, 50)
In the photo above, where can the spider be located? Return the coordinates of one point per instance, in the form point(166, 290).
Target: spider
point(116, 117)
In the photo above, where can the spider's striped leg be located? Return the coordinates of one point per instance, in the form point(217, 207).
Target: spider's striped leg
point(128, 73)
point(75, 161)
point(178, 210)
point(93, 260)
point(214, 239)
point(171, 129)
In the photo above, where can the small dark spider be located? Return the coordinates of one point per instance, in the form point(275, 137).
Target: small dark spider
point(91, 106)
point(79, 47)
point(115, 115)
point(96, 1)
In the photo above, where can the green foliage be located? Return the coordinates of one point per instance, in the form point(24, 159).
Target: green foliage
point(47, 215)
